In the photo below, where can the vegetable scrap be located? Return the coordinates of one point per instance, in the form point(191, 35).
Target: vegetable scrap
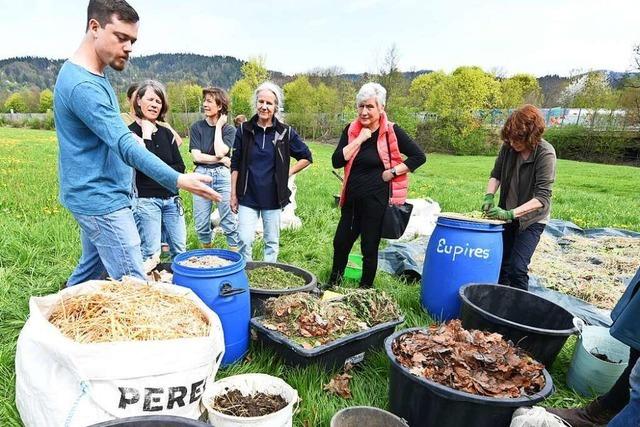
point(271, 277)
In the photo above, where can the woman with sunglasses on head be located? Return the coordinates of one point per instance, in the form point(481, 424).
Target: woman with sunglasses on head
point(157, 208)
point(525, 171)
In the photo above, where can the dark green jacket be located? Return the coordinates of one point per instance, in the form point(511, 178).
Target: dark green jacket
point(537, 175)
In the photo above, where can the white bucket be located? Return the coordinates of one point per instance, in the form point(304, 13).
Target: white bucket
point(249, 384)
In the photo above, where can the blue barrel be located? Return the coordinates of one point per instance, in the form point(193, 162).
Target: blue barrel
point(225, 290)
point(459, 252)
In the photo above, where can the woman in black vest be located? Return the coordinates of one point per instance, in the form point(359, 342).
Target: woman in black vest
point(260, 170)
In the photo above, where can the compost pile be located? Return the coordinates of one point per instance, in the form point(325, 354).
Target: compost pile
point(592, 269)
point(205, 261)
point(126, 311)
point(270, 277)
point(236, 404)
point(310, 322)
point(472, 361)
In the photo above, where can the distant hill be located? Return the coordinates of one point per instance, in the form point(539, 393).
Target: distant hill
point(223, 71)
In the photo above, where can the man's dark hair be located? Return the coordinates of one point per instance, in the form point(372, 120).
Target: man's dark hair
point(132, 88)
point(103, 10)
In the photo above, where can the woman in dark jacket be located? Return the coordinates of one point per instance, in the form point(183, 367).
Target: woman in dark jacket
point(618, 402)
point(156, 208)
point(260, 170)
point(370, 150)
point(525, 171)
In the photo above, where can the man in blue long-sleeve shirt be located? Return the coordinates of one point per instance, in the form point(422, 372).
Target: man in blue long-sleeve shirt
point(97, 151)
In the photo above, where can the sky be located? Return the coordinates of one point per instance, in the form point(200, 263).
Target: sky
point(506, 36)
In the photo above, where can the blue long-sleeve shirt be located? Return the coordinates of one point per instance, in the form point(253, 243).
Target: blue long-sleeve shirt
point(96, 149)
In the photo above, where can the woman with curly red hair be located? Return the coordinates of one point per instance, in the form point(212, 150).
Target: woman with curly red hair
point(525, 170)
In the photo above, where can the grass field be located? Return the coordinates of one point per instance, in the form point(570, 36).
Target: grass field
point(39, 244)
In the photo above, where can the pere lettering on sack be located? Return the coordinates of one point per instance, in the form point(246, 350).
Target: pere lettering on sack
point(155, 397)
point(465, 251)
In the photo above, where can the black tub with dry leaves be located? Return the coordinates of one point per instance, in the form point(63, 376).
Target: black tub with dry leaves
point(476, 379)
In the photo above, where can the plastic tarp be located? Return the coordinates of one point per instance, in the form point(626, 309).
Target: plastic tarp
point(407, 258)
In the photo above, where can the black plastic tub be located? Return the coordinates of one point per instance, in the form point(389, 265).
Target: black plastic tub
point(152, 421)
point(335, 354)
point(538, 326)
point(259, 296)
point(425, 403)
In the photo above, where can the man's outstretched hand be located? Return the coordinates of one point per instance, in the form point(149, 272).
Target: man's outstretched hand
point(197, 184)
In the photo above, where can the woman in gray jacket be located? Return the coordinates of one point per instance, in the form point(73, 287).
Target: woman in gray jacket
point(525, 170)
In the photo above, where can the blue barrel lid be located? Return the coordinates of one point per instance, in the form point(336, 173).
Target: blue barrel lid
point(237, 263)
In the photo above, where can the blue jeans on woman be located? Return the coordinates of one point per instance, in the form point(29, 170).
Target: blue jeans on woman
point(110, 245)
point(151, 215)
point(247, 219)
point(518, 247)
point(221, 182)
point(630, 414)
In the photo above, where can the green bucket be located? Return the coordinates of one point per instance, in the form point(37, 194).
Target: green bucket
point(589, 375)
point(354, 267)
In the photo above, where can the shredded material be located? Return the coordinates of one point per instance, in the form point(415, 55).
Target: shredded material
point(258, 404)
point(271, 277)
point(125, 311)
point(469, 360)
point(589, 268)
point(205, 261)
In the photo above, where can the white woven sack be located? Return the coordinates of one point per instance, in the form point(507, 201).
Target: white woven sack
point(60, 382)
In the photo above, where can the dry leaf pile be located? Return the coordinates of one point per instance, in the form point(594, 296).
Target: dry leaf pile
point(339, 385)
point(472, 361)
point(205, 261)
point(310, 322)
point(592, 269)
point(236, 404)
point(125, 311)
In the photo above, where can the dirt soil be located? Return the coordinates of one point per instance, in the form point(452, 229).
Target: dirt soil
point(236, 404)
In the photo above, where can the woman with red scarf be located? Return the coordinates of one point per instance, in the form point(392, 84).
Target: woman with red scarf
point(371, 151)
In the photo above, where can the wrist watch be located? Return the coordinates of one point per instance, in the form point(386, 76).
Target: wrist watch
point(393, 171)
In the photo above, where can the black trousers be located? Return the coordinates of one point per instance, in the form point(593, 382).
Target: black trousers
point(517, 250)
point(619, 395)
point(359, 217)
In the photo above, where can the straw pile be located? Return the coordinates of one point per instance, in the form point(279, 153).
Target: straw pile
point(592, 269)
point(125, 311)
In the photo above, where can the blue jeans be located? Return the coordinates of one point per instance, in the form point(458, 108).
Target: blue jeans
point(221, 182)
point(153, 215)
point(247, 219)
point(110, 244)
point(630, 414)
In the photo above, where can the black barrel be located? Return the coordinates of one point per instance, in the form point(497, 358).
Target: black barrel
point(259, 296)
point(425, 403)
point(534, 324)
point(152, 421)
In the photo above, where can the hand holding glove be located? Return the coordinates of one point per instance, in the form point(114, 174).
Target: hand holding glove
point(487, 203)
point(503, 214)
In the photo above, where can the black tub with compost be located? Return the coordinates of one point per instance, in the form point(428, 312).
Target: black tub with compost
point(259, 296)
point(534, 324)
point(335, 354)
point(425, 403)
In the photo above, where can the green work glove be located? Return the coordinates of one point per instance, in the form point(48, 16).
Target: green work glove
point(499, 213)
point(487, 203)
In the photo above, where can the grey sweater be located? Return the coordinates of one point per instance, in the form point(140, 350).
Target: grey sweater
point(536, 177)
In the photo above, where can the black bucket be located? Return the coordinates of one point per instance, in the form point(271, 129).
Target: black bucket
point(152, 421)
point(534, 324)
point(425, 403)
point(361, 416)
point(259, 296)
